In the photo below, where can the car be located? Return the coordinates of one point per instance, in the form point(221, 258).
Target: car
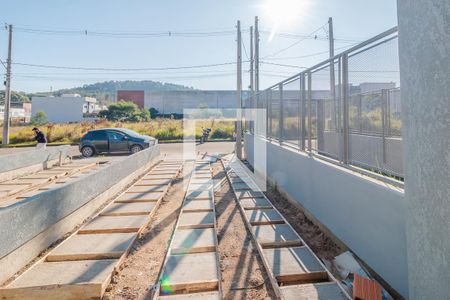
point(113, 140)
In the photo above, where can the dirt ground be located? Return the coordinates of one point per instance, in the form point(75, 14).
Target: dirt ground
point(322, 245)
point(243, 274)
point(140, 270)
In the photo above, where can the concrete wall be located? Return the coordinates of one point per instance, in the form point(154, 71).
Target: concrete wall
point(28, 219)
point(175, 101)
point(424, 41)
point(20, 160)
point(367, 216)
point(59, 109)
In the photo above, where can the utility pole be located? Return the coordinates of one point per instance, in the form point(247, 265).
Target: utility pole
point(252, 86)
point(332, 74)
point(256, 87)
point(239, 93)
point(6, 119)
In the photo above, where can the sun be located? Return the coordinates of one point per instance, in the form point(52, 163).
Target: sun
point(284, 13)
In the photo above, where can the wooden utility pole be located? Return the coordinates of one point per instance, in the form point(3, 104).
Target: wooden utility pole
point(6, 120)
point(239, 93)
point(252, 86)
point(256, 63)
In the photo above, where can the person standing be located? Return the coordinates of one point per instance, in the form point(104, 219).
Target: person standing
point(40, 138)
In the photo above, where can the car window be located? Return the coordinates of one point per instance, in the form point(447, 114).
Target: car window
point(131, 132)
point(98, 135)
point(115, 136)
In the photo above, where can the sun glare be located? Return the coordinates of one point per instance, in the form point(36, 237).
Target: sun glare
point(283, 14)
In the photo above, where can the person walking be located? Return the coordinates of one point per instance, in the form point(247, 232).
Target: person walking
point(40, 138)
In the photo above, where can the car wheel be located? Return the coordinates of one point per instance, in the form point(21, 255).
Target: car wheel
point(135, 149)
point(87, 151)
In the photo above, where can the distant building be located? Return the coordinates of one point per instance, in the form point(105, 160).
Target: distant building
point(137, 97)
point(65, 108)
point(167, 102)
point(19, 112)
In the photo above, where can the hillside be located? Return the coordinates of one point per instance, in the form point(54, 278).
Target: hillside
point(106, 91)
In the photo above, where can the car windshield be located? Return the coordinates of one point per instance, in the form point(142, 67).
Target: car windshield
point(130, 132)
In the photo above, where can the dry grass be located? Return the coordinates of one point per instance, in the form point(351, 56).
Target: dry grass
point(162, 129)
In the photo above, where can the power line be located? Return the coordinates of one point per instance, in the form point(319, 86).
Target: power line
point(123, 69)
point(294, 44)
point(282, 65)
point(112, 34)
point(4, 65)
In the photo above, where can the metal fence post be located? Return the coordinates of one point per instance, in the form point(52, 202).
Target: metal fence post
point(281, 121)
point(269, 111)
point(360, 113)
point(345, 97)
point(309, 113)
point(303, 109)
point(384, 94)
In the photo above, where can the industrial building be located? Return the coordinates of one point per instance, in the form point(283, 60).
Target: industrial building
point(65, 108)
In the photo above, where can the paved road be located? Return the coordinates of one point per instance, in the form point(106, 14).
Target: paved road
point(172, 149)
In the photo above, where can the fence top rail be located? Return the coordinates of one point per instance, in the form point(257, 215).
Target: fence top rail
point(337, 56)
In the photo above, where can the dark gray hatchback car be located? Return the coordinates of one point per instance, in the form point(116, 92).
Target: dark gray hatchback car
point(113, 140)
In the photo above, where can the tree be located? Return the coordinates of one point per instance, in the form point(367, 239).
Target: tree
point(40, 118)
point(125, 112)
point(153, 112)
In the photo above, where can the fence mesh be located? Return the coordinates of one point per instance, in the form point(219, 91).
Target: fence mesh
point(291, 112)
point(362, 127)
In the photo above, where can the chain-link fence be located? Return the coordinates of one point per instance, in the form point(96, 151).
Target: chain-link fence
point(346, 108)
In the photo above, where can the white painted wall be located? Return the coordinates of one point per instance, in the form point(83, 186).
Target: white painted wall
point(59, 109)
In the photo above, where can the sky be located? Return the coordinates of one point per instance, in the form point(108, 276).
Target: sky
point(135, 34)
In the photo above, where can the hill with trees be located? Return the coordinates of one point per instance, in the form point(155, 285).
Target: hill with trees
point(105, 91)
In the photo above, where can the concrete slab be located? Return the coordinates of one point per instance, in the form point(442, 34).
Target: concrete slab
point(313, 291)
point(31, 180)
point(92, 246)
point(195, 296)
point(295, 264)
point(128, 209)
point(197, 205)
point(255, 203)
point(201, 181)
point(249, 194)
point(193, 241)
point(140, 197)
point(163, 172)
point(190, 273)
point(241, 186)
point(192, 220)
point(12, 187)
point(263, 216)
point(276, 235)
point(199, 195)
point(160, 176)
point(147, 189)
point(156, 182)
point(86, 279)
point(199, 187)
point(109, 224)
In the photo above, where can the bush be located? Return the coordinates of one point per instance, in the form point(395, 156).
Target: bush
point(40, 118)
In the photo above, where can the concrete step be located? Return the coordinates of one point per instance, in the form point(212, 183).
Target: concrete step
point(193, 220)
point(92, 246)
point(190, 273)
point(193, 241)
point(128, 209)
point(69, 280)
point(114, 224)
point(296, 264)
point(263, 217)
point(277, 235)
point(140, 197)
point(313, 291)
